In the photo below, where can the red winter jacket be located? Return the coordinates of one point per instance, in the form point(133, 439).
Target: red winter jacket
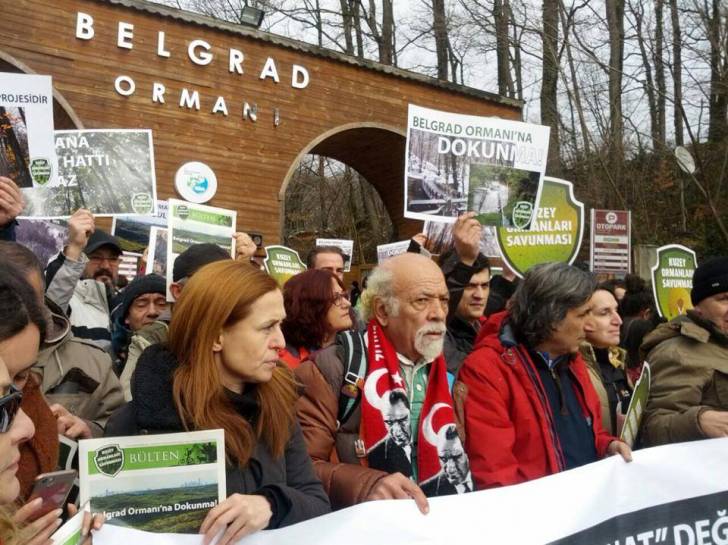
point(505, 417)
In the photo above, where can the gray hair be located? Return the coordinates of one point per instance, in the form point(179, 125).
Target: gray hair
point(544, 296)
point(380, 285)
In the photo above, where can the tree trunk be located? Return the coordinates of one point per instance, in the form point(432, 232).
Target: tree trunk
point(718, 108)
point(501, 16)
point(356, 10)
point(677, 73)
point(660, 74)
point(550, 79)
point(348, 25)
point(439, 28)
point(615, 21)
point(386, 49)
point(647, 60)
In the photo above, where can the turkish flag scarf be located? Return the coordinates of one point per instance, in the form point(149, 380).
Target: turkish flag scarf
point(385, 425)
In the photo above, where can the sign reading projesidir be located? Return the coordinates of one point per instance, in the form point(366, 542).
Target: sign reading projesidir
point(672, 280)
point(195, 182)
point(347, 247)
point(282, 263)
point(611, 250)
point(488, 165)
point(27, 153)
point(555, 233)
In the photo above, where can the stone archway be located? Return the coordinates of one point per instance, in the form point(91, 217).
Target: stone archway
point(64, 117)
point(377, 152)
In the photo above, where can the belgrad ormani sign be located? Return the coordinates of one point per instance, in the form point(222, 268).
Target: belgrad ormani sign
point(199, 52)
point(248, 104)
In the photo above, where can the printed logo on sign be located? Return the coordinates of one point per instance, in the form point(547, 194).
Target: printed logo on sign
point(611, 217)
point(109, 460)
point(522, 212)
point(142, 203)
point(183, 212)
point(198, 184)
point(40, 170)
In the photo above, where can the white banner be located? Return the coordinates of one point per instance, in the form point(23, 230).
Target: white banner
point(673, 495)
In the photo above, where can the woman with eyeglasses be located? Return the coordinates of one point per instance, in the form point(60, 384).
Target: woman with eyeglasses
point(220, 369)
point(317, 308)
point(22, 327)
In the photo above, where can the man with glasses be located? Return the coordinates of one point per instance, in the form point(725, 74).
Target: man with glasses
point(81, 278)
point(369, 395)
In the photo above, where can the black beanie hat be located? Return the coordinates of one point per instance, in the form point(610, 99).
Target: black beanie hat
point(151, 283)
point(710, 278)
point(195, 257)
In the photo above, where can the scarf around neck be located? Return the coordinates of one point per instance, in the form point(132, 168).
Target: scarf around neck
point(385, 426)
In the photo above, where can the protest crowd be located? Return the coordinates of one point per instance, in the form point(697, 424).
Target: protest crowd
point(433, 378)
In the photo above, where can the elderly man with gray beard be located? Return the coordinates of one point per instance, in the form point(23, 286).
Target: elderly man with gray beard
point(523, 397)
point(377, 404)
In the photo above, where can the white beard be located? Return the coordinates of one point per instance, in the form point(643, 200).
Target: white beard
point(429, 350)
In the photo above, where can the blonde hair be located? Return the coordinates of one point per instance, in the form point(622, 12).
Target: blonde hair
point(10, 533)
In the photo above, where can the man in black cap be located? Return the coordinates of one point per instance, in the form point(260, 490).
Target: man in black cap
point(80, 279)
point(689, 361)
point(142, 303)
point(187, 263)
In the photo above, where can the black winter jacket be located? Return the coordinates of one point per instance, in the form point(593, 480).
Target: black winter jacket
point(289, 482)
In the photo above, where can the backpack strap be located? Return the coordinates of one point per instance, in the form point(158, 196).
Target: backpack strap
point(354, 357)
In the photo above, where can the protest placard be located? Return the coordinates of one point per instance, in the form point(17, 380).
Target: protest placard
point(670, 495)
point(555, 233)
point(460, 162)
point(611, 237)
point(672, 280)
point(282, 263)
point(439, 239)
point(27, 153)
point(157, 253)
point(133, 233)
point(160, 483)
point(70, 532)
point(129, 265)
point(637, 404)
point(44, 237)
point(346, 246)
point(109, 171)
point(387, 251)
point(190, 223)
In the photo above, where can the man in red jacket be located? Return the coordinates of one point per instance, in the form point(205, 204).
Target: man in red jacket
point(523, 397)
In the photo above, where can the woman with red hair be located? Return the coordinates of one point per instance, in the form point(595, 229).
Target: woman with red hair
point(317, 308)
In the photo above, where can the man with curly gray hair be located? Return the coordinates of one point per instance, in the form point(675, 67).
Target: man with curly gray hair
point(524, 398)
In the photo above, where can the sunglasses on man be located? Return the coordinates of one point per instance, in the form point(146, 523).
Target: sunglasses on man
point(9, 407)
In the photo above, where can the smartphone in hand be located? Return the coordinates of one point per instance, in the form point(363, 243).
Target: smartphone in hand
point(53, 488)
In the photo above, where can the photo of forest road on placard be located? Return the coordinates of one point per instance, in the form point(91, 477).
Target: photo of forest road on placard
point(14, 154)
point(133, 233)
point(502, 196)
point(108, 172)
point(177, 502)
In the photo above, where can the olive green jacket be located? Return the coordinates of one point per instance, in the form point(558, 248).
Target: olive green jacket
point(689, 361)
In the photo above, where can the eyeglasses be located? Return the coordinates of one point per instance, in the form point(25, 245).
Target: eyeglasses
point(100, 259)
point(340, 298)
point(423, 302)
point(9, 407)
